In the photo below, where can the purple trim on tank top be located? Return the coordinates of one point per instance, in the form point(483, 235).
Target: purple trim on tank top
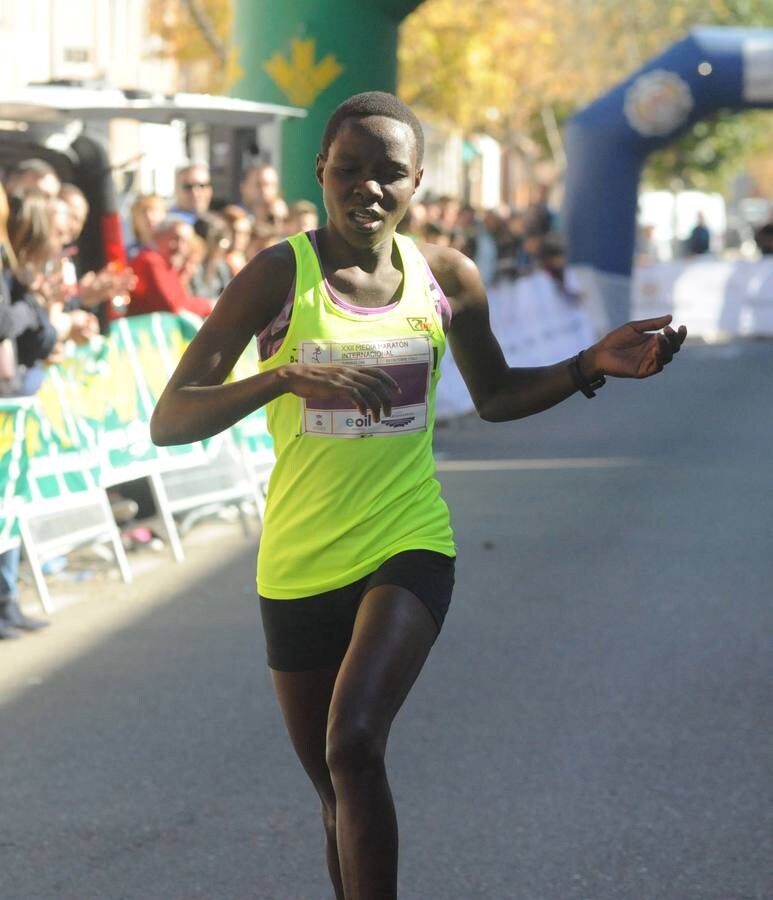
point(270, 339)
point(443, 304)
point(338, 300)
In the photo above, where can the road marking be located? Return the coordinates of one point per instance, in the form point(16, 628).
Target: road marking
point(511, 465)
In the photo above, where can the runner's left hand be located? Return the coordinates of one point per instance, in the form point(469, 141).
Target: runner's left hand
point(635, 350)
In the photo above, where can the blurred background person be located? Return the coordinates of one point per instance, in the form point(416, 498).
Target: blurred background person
point(162, 270)
point(263, 236)
point(510, 246)
point(645, 249)
point(21, 314)
point(699, 240)
point(436, 234)
point(303, 216)
point(432, 208)
point(540, 217)
point(261, 195)
point(192, 194)
point(239, 227)
point(86, 290)
point(488, 235)
point(414, 221)
point(37, 249)
point(78, 207)
point(147, 212)
point(465, 229)
point(548, 306)
point(448, 212)
point(33, 326)
point(33, 175)
point(213, 272)
point(551, 259)
point(529, 254)
point(763, 238)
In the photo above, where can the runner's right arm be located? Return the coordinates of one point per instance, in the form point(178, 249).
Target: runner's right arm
point(196, 403)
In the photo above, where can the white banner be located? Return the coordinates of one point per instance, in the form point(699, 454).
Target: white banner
point(711, 297)
point(536, 323)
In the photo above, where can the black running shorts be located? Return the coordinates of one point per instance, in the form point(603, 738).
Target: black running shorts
point(314, 632)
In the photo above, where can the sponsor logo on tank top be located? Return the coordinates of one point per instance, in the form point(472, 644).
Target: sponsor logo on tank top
point(419, 323)
point(407, 360)
point(368, 420)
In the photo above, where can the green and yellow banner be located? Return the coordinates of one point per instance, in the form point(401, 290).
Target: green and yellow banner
point(89, 425)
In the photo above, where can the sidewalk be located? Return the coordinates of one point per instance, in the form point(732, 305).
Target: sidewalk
point(91, 602)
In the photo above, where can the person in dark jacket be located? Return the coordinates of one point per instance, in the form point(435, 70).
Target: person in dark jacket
point(699, 241)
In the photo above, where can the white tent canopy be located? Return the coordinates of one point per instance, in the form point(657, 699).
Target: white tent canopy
point(60, 103)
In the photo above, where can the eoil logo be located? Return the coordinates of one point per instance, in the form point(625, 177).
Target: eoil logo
point(359, 421)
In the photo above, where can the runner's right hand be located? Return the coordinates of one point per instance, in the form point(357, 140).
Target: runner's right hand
point(365, 387)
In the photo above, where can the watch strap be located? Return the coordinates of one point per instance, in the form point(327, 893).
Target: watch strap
point(588, 388)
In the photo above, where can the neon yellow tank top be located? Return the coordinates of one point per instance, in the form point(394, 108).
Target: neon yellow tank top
point(347, 493)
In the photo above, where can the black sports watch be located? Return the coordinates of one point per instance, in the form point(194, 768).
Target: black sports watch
point(588, 388)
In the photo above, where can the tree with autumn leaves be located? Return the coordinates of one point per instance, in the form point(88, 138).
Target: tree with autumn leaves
point(515, 69)
point(197, 35)
point(520, 68)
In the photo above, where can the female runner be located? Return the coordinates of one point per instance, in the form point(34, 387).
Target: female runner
point(356, 561)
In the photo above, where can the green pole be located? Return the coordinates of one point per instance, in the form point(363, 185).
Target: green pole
point(314, 54)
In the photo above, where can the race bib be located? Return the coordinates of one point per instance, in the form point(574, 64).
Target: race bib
point(407, 360)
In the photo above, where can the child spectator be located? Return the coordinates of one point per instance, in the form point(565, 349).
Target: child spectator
point(213, 272)
point(147, 213)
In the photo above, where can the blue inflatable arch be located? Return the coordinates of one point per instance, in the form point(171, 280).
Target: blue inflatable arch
point(608, 142)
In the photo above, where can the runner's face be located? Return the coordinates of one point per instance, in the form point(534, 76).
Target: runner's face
point(368, 178)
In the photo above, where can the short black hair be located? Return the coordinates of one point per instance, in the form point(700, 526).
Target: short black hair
point(374, 103)
point(552, 246)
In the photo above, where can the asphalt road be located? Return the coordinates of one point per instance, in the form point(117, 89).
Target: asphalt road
point(594, 722)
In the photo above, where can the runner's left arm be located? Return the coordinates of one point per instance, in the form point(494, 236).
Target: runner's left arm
point(502, 393)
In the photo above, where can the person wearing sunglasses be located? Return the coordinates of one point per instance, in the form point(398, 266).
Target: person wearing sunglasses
point(192, 193)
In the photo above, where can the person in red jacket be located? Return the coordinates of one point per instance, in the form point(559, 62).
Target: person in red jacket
point(158, 270)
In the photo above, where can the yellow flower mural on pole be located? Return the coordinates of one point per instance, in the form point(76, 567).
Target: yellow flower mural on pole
point(300, 78)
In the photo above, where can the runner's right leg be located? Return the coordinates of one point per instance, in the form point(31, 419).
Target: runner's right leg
point(304, 698)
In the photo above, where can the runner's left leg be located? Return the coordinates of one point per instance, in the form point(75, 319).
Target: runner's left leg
point(393, 634)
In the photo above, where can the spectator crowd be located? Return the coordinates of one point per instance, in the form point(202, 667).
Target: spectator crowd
point(505, 243)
